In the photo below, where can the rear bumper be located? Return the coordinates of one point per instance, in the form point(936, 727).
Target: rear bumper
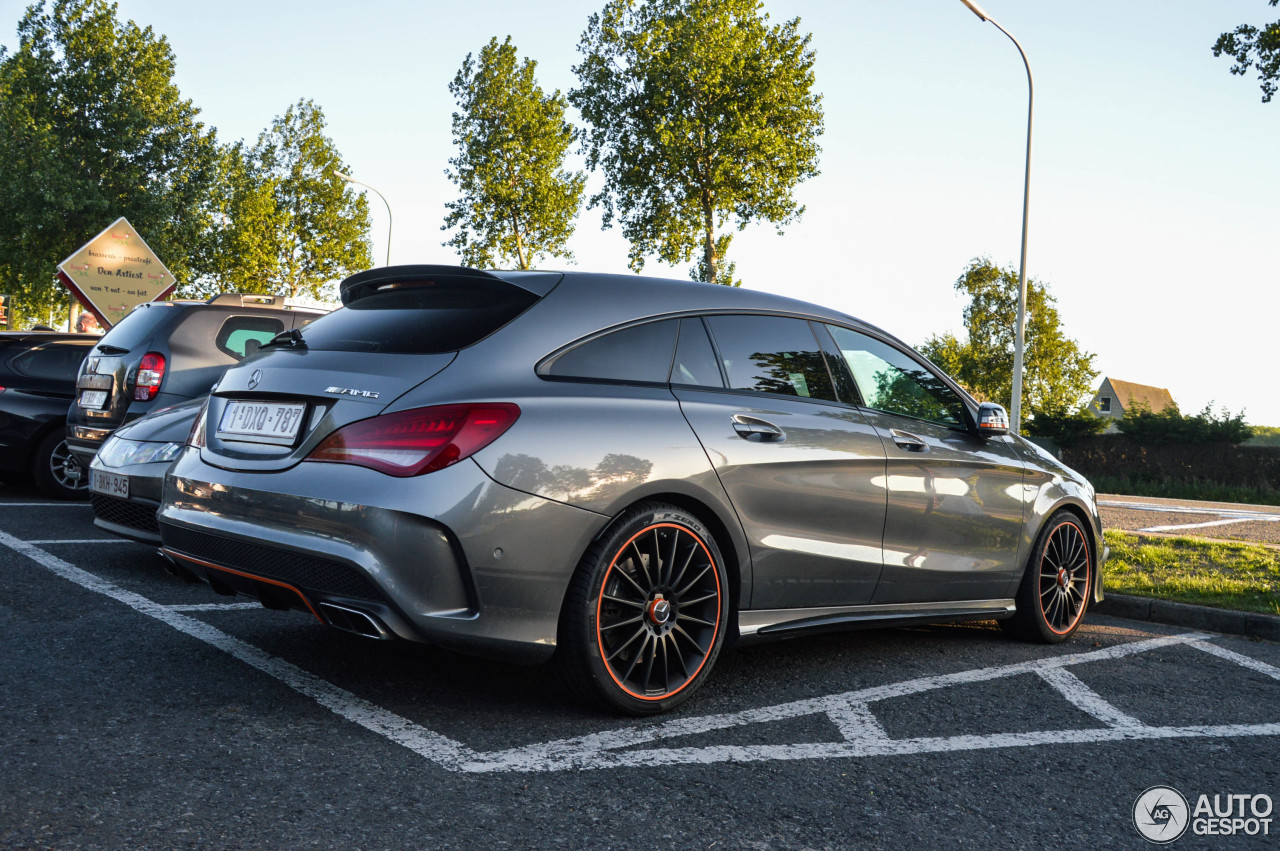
point(85, 441)
point(450, 558)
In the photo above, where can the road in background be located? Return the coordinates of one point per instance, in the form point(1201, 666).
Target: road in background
point(1259, 524)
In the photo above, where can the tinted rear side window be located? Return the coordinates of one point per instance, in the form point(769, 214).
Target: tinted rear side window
point(641, 353)
point(772, 354)
point(420, 319)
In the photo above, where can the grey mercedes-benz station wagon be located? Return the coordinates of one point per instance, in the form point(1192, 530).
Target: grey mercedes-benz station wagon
point(617, 474)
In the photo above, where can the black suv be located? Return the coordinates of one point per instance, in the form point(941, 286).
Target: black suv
point(37, 382)
point(166, 352)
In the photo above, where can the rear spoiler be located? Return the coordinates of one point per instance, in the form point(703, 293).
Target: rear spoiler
point(370, 281)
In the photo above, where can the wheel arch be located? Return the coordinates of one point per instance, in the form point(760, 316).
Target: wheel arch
point(1093, 539)
point(733, 547)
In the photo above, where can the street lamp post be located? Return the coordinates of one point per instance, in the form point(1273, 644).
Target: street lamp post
point(1015, 416)
point(349, 179)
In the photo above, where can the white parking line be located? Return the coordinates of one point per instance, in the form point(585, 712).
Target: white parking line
point(1247, 514)
point(1086, 699)
point(1225, 522)
point(418, 739)
point(43, 504)
point(83, 541)
point(862, 735)
point(214, 607)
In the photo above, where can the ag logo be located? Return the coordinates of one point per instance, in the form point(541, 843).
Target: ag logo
point(1161, 814)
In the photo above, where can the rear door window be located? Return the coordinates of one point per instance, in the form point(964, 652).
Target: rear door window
point(242, 335)
point(640, 354)
point(772, 354)
point(695, 363)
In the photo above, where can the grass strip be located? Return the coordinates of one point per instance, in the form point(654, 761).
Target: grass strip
point(1244, 577)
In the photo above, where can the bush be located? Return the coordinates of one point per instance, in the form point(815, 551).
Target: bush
point(1063, 428)
point(1171, 426)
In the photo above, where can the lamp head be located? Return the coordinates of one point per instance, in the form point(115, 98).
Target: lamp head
point(976, 9)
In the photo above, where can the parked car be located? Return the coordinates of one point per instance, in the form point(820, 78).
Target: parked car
point(167, 352)
point(37, 383)
point(618, 474)
point(127, 475)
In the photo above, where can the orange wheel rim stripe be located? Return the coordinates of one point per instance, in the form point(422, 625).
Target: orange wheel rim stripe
point(1088, 577)
point(604, 583)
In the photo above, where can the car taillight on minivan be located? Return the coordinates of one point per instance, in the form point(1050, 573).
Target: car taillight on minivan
point(417, 441)
point(150, 374)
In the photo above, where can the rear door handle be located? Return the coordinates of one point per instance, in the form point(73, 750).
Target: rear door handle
point(908, 441)
point(752, 428)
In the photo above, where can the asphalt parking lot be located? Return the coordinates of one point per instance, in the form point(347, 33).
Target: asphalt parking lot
point(140, 712)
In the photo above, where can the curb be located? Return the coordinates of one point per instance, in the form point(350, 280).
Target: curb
point(1230, 622)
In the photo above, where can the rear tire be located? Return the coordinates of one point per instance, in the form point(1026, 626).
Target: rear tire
point(57, 473)
point(1054, 594)
point(646, 613)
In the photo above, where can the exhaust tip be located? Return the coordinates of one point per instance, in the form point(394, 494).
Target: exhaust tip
point(353, 620)
point(175, 568)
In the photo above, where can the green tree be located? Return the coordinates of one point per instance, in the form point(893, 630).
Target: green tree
point(92, 127)
point(1057, 375)
point(321, 224)
point(518, 203)
point(701, 115)
point(245, 246)
point(1248, 46)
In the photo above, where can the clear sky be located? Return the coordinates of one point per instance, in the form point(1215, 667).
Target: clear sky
point(1155, 172)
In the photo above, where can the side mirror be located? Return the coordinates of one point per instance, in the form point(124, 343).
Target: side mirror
point(992, 420)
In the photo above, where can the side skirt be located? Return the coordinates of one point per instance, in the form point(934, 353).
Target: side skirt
point(763, 624)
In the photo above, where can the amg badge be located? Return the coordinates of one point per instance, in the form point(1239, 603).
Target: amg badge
point(348, 391)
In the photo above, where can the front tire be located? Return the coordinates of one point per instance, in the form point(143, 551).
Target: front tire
point(646, 612)
point(57, 472)
point(1054, 593)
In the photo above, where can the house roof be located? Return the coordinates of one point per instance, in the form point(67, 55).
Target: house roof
point(1128, 394)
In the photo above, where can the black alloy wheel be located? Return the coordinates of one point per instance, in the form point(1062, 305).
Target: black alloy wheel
point(1054, 593)
point(646, 613)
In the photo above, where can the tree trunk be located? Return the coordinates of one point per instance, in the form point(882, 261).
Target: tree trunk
point(515, 225)
point(710, 262)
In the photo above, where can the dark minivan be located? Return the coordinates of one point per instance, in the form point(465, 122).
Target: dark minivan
point(167, 352)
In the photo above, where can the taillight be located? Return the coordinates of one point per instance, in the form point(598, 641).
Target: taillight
point(422, 440)
point(196, 437)
point(150, 374)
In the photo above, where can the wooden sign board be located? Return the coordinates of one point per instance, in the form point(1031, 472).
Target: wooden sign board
point(114, 272)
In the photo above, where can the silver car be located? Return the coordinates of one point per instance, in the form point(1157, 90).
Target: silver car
point(618, 474)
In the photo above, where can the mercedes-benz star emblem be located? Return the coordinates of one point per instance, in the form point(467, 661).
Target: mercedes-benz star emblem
point(255, 378)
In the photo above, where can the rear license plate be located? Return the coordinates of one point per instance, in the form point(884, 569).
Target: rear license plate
point(93, 399)
point(111, 484)
point(259, 422)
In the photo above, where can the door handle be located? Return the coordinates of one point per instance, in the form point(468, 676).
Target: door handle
point(751, 428)
point(908, 441)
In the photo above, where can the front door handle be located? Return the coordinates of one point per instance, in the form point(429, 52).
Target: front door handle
point(908, 441)
point(752, 428)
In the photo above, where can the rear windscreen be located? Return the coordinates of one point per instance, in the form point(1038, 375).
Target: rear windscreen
point(139, 326)
point(425, 318)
